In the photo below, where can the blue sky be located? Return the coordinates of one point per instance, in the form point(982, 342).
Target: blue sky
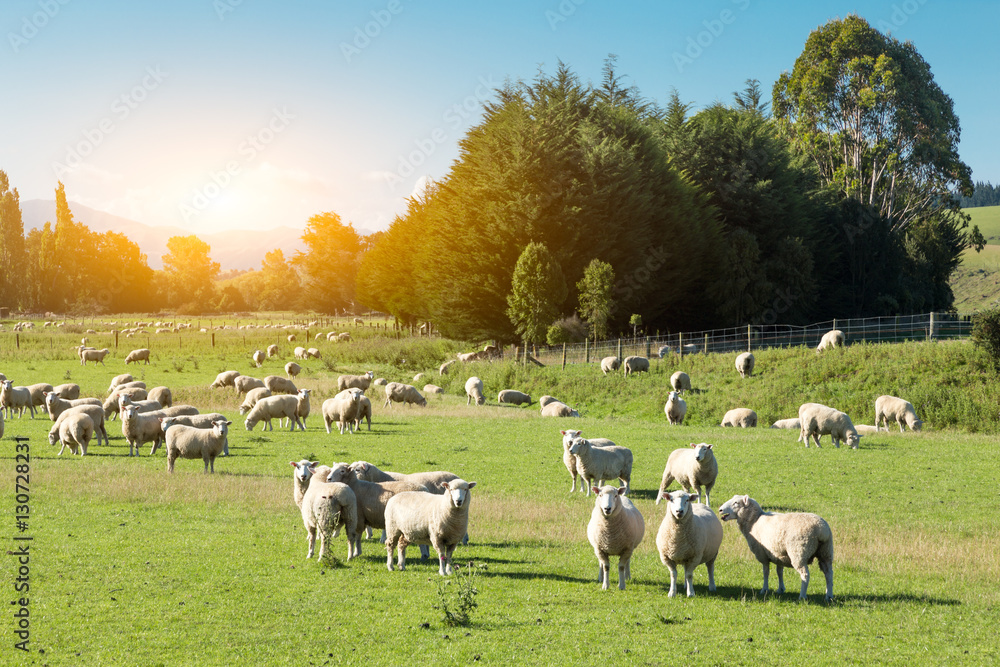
point(214, 114)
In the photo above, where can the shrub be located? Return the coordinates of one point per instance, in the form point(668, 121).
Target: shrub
point(567, 330)
point(986, 334)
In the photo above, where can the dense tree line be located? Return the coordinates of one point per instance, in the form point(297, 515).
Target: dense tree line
point(984, 194)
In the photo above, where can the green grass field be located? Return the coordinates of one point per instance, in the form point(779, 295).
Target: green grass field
point(976, 283)
point(132, 566)
point(988, 219)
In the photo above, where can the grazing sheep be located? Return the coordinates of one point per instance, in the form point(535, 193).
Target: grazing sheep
point(188, 442)
point(675, 408)
point(292, 369)
point(55, 406)
point(663, 351)
point(360, 322)
point(690, 535)
point(787, 540)
point(245, 383)
point(135, 356)
point(314, 353)
point(513, 397)
point(609, 364)
point(417, 378)
point(744, 364)
point(740, 418)
point(380, 382)
point(600, 463)
point(280, 385)
point(545, 400)
point(111, 403)
point(15, 398)
point(272, 351)
point(225, 379)
point(831, 339)
point(680, 381)
point(343, 409)
point(635, 365)
point(69, 391)
point(361, 382)
point(252, 397)
point(163, 395)
point(692, 468)
point(273, 407)
point(570, 460)
point(818, 420)
point(474, 391)
point(137, 384)
point(865, 429)
point(38, 392)
point(344, 337)
point(96, 414)
point(433, 389)
point(445, 367)
point(616, 528)
point(793, 423)
point(364, 413)
point(291, 339)
point(258, 358)
point(326, 507)
point(93, 355)
point(75, 432)
point(898, 410)
point(417, 517)
point(397, 392)
point(301, 353)
point(558, 409)
point(119, 379)
point(139, 429)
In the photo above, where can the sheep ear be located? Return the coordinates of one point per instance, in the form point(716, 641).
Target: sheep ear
point(294, 464)
point(693, 445)
point(622, 490)
point(228, 423)
point(710, 446)
point(472, 484)
point(563, 432)
point(595, 490)
point(746, 499)
point(694, 496)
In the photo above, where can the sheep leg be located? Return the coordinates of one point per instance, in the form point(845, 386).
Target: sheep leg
point(368, 532)
point(900, 423)
point(689, 579)
point(780, 569)
point(311, 538)
point(803, 571)
point(827, 567)
point(425, 552)
point(767, 573)
point(603, 568)
point(673, 579)
point(623, 562)
point(61, 449)
point(327, 422)
point(388, 559)
point(710, 565)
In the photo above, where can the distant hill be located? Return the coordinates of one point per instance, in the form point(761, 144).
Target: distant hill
point(976, 282)
point(233, 249)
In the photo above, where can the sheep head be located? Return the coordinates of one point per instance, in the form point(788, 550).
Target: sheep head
point(679, 503)
point(701, 450)
point(304, 469)
point(732, 508)
point(608, 498)
point(457, 491)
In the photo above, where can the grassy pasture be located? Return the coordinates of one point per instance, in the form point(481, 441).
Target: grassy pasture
point(131, 566)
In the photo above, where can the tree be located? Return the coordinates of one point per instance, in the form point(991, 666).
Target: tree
point(538, 288)
point(280, 289)
point(595, 298)
point(635, 322)
point(13, 257)
point(330, 264)
point(190, 272)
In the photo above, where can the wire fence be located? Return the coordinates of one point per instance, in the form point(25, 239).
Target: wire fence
point(891, 329)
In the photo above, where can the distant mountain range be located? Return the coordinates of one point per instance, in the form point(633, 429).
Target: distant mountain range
point(233, 249)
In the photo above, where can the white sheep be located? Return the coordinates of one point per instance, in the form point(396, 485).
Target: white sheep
point(693, 469)
point(326, 507)
point(188, 442)
point(361, 382)
point(38, 392)
point(433, 389)
point(96, 414)
point(474, 391)
point(75, 432)
point(135, 356)
point(740, 418)
point(15, 398)
point(274, 407)
point(397, 392)
point(93, 355)
point(570, 460)
point(343, 409)
point(610, 364)
point(445, 367)
point(291, 339)
point(245, 383)
point(301, 353)
point(635, 364)
point(112, 404)
point(280, 385)
point(55, 405)
point(866, 429)
point(744, 364)
point(787, 540)
point(792, 423)
point(225, 379)
point(690, 535)
point(141, 428)
point(600, 463)
point(272, 351)
point(680, 381)
point(258, 358)
point(161, 394)
point(558, 409)
point(513, 397)
point(663, 351)
point(314, 353)
point(417, 378)
point(898, 410)
point(616, 528)
point(830, 340)
point(417, 517)
point(344, 337)
point(128, 385)
point(205, 421)
point(364, 413)
point(252, 397)
point(435, 481)
point(302, 405)
point(292, 369)
point(818, 420)
point(69, 391)
point(119, 379)
point(545, 400)
point(675, 408)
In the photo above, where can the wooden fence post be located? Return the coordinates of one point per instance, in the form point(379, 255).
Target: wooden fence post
point(680, 344)
point(619, 348)
point(647, 347)
point(748, 339)
point(586, 349)
point(706, 344)
point(564, 357)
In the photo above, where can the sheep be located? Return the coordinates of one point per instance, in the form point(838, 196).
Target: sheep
point(75, 432)
point(258, 358)
point(69, 391)
point(225, 379)
point(361, 382)
point(397, 392)
point(898, 410)
point(600, 463)
point(740, 418)
point(326, 507)
point(344, 337)
point(188, 442)
point(570, 460)
point(635, 365)
point(416, 517)
point(141, 428)
point(513, 397)
point(680, 381)
point(135, 356)
point(692, 468)
point(474, 390)
point(96, 414)
point(119, 379)
point(161, 394)
point(291, 339)
point(380, 382)
point(818, 420)
point(93, 355)
point(139, 384)
point(744, 364)
point(558, 409)
point(38, 392)
point(787, 540)
point(616, 528)
point(690, 534)
point(866, 429)
point(111, 403)
point(445, 367)
point(793, 423)
point(436, 481)
point(55, 406)
point(273, 407)
point(292, 369)
point(417, 378)
point(360, 322)
point(466, 357)
point(675, 408)
point(252, 397)
point(831, 339)
point(663, 351)
point(301, 353)
point(15, 398)
point(433, 389)
point(545, 400)
point(302, 405)
point(245, 383)
point(203, 421)
point(280, 385)
point(343, 409)
point(609, 364)
point(272, 351)
point(372, 496)
point(314, 353)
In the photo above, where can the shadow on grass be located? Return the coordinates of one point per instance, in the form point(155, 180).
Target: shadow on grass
point(791, 594)
point(643, 494)
point(528, 576)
